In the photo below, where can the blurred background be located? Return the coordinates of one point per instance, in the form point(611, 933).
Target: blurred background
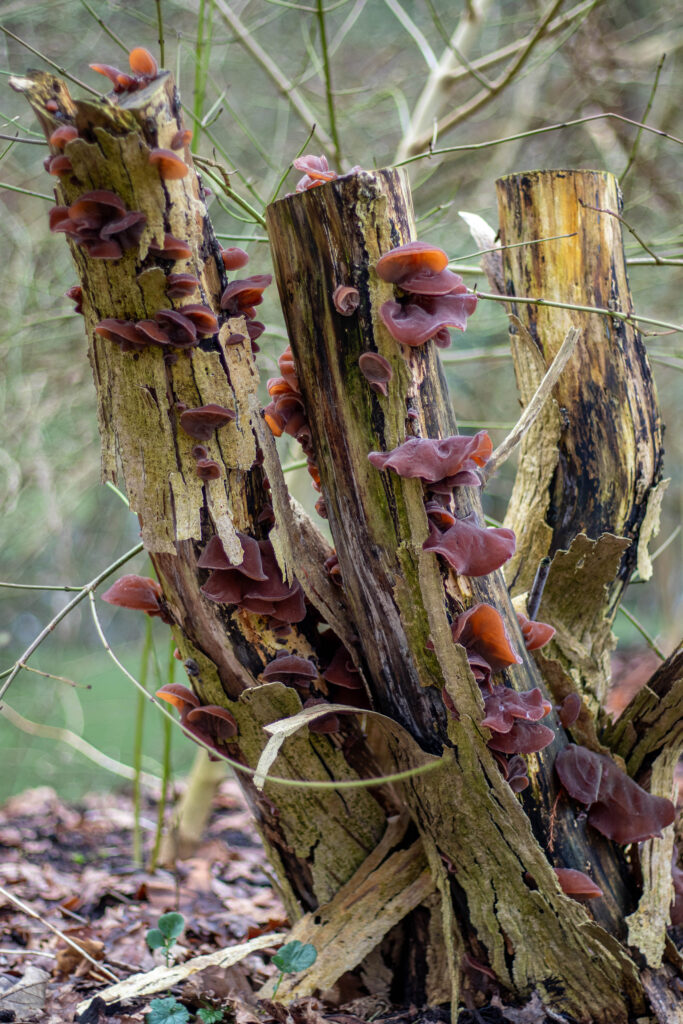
point(243, 70)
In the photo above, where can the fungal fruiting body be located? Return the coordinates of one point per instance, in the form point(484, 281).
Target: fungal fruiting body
point(144, 70)
point(254, 585)
point(316, 172)
point(210, 724)
point(617, 806)
point(450, 460)
point(429, 298)
point(100, 223)
point(141, 593)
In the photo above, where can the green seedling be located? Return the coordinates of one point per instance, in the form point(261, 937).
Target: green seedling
point(167, 1011)
point(210, 1015)
point(167, 932)
point(293, 957)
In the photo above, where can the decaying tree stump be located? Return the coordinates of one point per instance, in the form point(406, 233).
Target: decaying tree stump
point(448, 867)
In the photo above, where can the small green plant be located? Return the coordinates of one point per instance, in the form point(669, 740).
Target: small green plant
point(294, 957)
point(169, 1010)
point(167, 932)
point(210, 1015)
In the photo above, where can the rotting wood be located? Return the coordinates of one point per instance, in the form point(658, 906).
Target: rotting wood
point(332, 235)
point(480, 845)
point(610, 444)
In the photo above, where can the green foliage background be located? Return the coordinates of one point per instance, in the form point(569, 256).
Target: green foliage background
point(57, 524)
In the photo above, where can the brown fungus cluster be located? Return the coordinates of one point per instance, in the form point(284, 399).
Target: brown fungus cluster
point(617, 806)
point(285, 413)
point(144, 69)
point(429, 298)
point(255, 585)
point(211, 724)
point(99, 222)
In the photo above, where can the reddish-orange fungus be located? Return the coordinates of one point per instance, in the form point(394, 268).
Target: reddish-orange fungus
point(618, 806)
point(178, 695)
point(142, 62)
point(470, 549)
point(181, 138)
point(180, 286)
point(412, 258)
point(376, 370)
point(577, 883)
point(201, 423)
point(169, 164)
point(453, 460)
point(346, 299)
point(234, 258)
point(172, 249)
point(570, 709)
point(60, 136)
point(481, 630)
point(208, 469)
point(536, 634)
point(137, 592)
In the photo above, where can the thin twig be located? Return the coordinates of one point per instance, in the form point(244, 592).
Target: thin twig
point(535, 405)
point(537, 587)
point(495, 88)
point(329, 94)
point(643, 632)
point(628, 318)
point(105, 27)
point(44, 633)
point(25, 192)
point(289, 166)
point(71, 739)
point(512, 245)
point(160, 33)
point(282, 83)
point(471, 146)
point(58, 679)
point(26, 142)
point(24, 907)
point(223, 181)
point(497, 56)
point(648, 108)
point(57, 67)
point(625, 223)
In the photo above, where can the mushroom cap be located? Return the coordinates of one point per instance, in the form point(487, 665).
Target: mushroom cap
point(470, 549)
point(169, 164)
point(140, 593)
point(433, 459)
point(285, 665)
point(99, 206)
point(314, 167)
point(179, 286)
point(181, 330)
point(427, 282)
point(577, 883)
point(153, 332)
point(142, 62)
point(60, 136)
point(172, 249)
point(536, 634)
point(413, 258)
point(124, 333)
point(376, 370)
point(214, 557)
point(248, 292)
point(523, 738)
point(211, 719)
point(201, 423)
point(234, 258)
point(481, 629)
point(504, 705)
point(201, 316)
point(182, 138)
point(414, 323)
point(127, 229)
point(570, 709)
point(208, 469)
point(179, 696)
point(342, 672)
point(619, 808)
point(346, 299)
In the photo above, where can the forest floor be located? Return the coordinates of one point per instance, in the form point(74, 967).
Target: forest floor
point(67, 874)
